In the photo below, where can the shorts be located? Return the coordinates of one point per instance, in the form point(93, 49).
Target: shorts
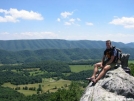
point(112, 64)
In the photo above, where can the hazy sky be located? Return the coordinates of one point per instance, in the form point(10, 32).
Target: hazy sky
point(67, 19)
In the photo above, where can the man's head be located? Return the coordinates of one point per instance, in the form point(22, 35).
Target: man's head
point(108, 43)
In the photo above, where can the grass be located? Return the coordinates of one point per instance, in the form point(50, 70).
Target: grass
point(15, 71)
point(27, 92)
point(79, 68)
point(1, 64)
point(131, 61)
point(34, 73)
point(52, 84)
point(47, 85)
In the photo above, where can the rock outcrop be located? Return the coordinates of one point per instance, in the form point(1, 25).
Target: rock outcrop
point(117, 85)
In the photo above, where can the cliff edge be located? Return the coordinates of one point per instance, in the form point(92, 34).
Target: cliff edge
point(117, 85)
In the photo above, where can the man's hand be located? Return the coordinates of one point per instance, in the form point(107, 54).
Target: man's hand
point(102, 65)
point(110, 61)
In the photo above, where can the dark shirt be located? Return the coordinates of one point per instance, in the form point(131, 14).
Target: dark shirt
point(110, 52)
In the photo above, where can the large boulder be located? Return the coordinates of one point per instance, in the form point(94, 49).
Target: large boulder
point(117, 85)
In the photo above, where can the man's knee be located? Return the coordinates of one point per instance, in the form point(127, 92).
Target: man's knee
point(97, 64)
point(106, 67)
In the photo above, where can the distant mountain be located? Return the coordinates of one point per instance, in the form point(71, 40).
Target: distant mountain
point(75, 54)
point(16, 45)
point(131, 44)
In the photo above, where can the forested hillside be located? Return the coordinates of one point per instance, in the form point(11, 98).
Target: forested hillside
point(31, 66)
point(25, 56)
point(15, 45)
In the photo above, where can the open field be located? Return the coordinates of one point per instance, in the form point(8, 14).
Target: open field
point(131, 61)
point(78, 68)
point(27, 92)
point(1, 64)
point(47, 85)
point(36, 72)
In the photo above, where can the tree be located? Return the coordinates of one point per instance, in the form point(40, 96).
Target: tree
point(131, 65)
point(39, 89)
point(72, 94)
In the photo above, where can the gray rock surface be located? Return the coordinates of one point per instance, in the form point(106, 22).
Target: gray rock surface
point(117, 85)
point(124, 60)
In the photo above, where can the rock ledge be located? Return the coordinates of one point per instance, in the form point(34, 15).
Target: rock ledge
point(117, 85)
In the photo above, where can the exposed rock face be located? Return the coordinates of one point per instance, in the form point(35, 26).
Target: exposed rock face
point(124, 60)
point(117, 85)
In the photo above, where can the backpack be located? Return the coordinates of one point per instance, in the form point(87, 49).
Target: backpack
point(122, 59)
point(118, 54)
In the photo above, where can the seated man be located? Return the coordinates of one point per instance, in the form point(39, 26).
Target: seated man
point(106, 63)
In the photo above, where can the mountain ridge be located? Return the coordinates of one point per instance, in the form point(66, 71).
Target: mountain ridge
point(36, 44)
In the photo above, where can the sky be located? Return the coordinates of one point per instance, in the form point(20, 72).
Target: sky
point(67, 19)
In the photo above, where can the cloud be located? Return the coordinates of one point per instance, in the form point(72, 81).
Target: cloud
point(14, 15)
point(8, 19)
point(58, 19)
point(89, 23)
point(67, 20)
point(66, 14)
point(71, 22)
point(127, 22)
point(78, 19)
point(67, 23)
point(28, 35)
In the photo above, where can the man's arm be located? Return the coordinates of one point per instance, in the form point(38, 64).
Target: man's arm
point(103, 58)
point(110, 61)
point(112, 57)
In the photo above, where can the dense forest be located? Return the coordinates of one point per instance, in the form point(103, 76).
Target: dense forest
point(51, 68)
point(68, 55)
point(20, 74)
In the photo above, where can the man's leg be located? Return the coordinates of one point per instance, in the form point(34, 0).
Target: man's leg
point(95, 70)
point(102, 73)
point(96, 66)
